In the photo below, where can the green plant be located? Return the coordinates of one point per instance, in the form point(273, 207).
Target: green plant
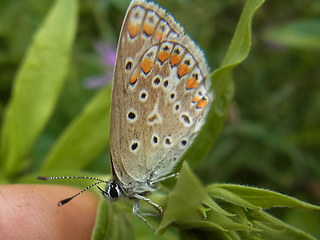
point(223, 211)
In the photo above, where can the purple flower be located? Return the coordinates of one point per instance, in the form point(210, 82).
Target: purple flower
point(108, 58)
point(107, 53)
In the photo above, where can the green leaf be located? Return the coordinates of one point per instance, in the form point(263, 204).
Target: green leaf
point(284, 231)
point(116, 221)
point(183, 203)
point(111, 223)
point(304, 34)
point(260, 197)
point(37, 85)
point(228, 223)
point(85, 138)
point(214, 206)
point(239, 214)
point(222, 85)
point(228, 196)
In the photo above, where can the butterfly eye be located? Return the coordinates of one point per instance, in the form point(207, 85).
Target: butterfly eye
point(113, 191)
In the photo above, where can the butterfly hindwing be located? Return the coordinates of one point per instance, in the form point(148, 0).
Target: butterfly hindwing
point(159, 95)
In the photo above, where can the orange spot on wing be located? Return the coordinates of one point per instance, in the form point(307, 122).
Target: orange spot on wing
point(133, 79)
point(158, 35)
point(195, 99)
point(183, 70)
point(192, 83)
point(202, 103)
point(146, 65)
point(175, 60)
point(148, 29)
point(133, 30)
point(154, 117)
point(163, 56)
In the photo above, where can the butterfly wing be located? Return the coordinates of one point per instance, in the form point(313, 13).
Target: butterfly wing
point(159, 96)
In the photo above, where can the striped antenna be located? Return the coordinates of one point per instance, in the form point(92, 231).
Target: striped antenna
point(62, 202)
point(68, 177)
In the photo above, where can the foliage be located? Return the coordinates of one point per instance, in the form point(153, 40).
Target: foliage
point(270, 139)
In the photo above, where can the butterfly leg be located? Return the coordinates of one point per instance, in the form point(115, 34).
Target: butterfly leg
point(150, 202)
point(136, 211)
point(164, 178)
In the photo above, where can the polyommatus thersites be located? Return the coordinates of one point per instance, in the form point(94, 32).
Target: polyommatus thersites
point(159, 101)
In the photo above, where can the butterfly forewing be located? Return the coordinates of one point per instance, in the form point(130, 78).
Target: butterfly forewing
point(159, 96)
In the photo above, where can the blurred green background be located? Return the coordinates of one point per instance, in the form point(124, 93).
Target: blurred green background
point(272, 136)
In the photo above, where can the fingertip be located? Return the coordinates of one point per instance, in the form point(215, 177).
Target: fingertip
point(31, 212)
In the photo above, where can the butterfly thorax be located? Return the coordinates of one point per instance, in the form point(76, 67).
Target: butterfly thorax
point(135, 187)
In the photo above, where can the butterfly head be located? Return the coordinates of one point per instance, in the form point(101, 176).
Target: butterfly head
point(113, 191)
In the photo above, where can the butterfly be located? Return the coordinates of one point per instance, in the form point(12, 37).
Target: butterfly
point(160, 98)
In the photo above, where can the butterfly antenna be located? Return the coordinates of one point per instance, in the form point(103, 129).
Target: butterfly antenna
point(69, 177)
point(64, 201)
point(77, 194)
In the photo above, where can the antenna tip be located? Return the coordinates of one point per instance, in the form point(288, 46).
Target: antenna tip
point(43, 178)
point(64, 201)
